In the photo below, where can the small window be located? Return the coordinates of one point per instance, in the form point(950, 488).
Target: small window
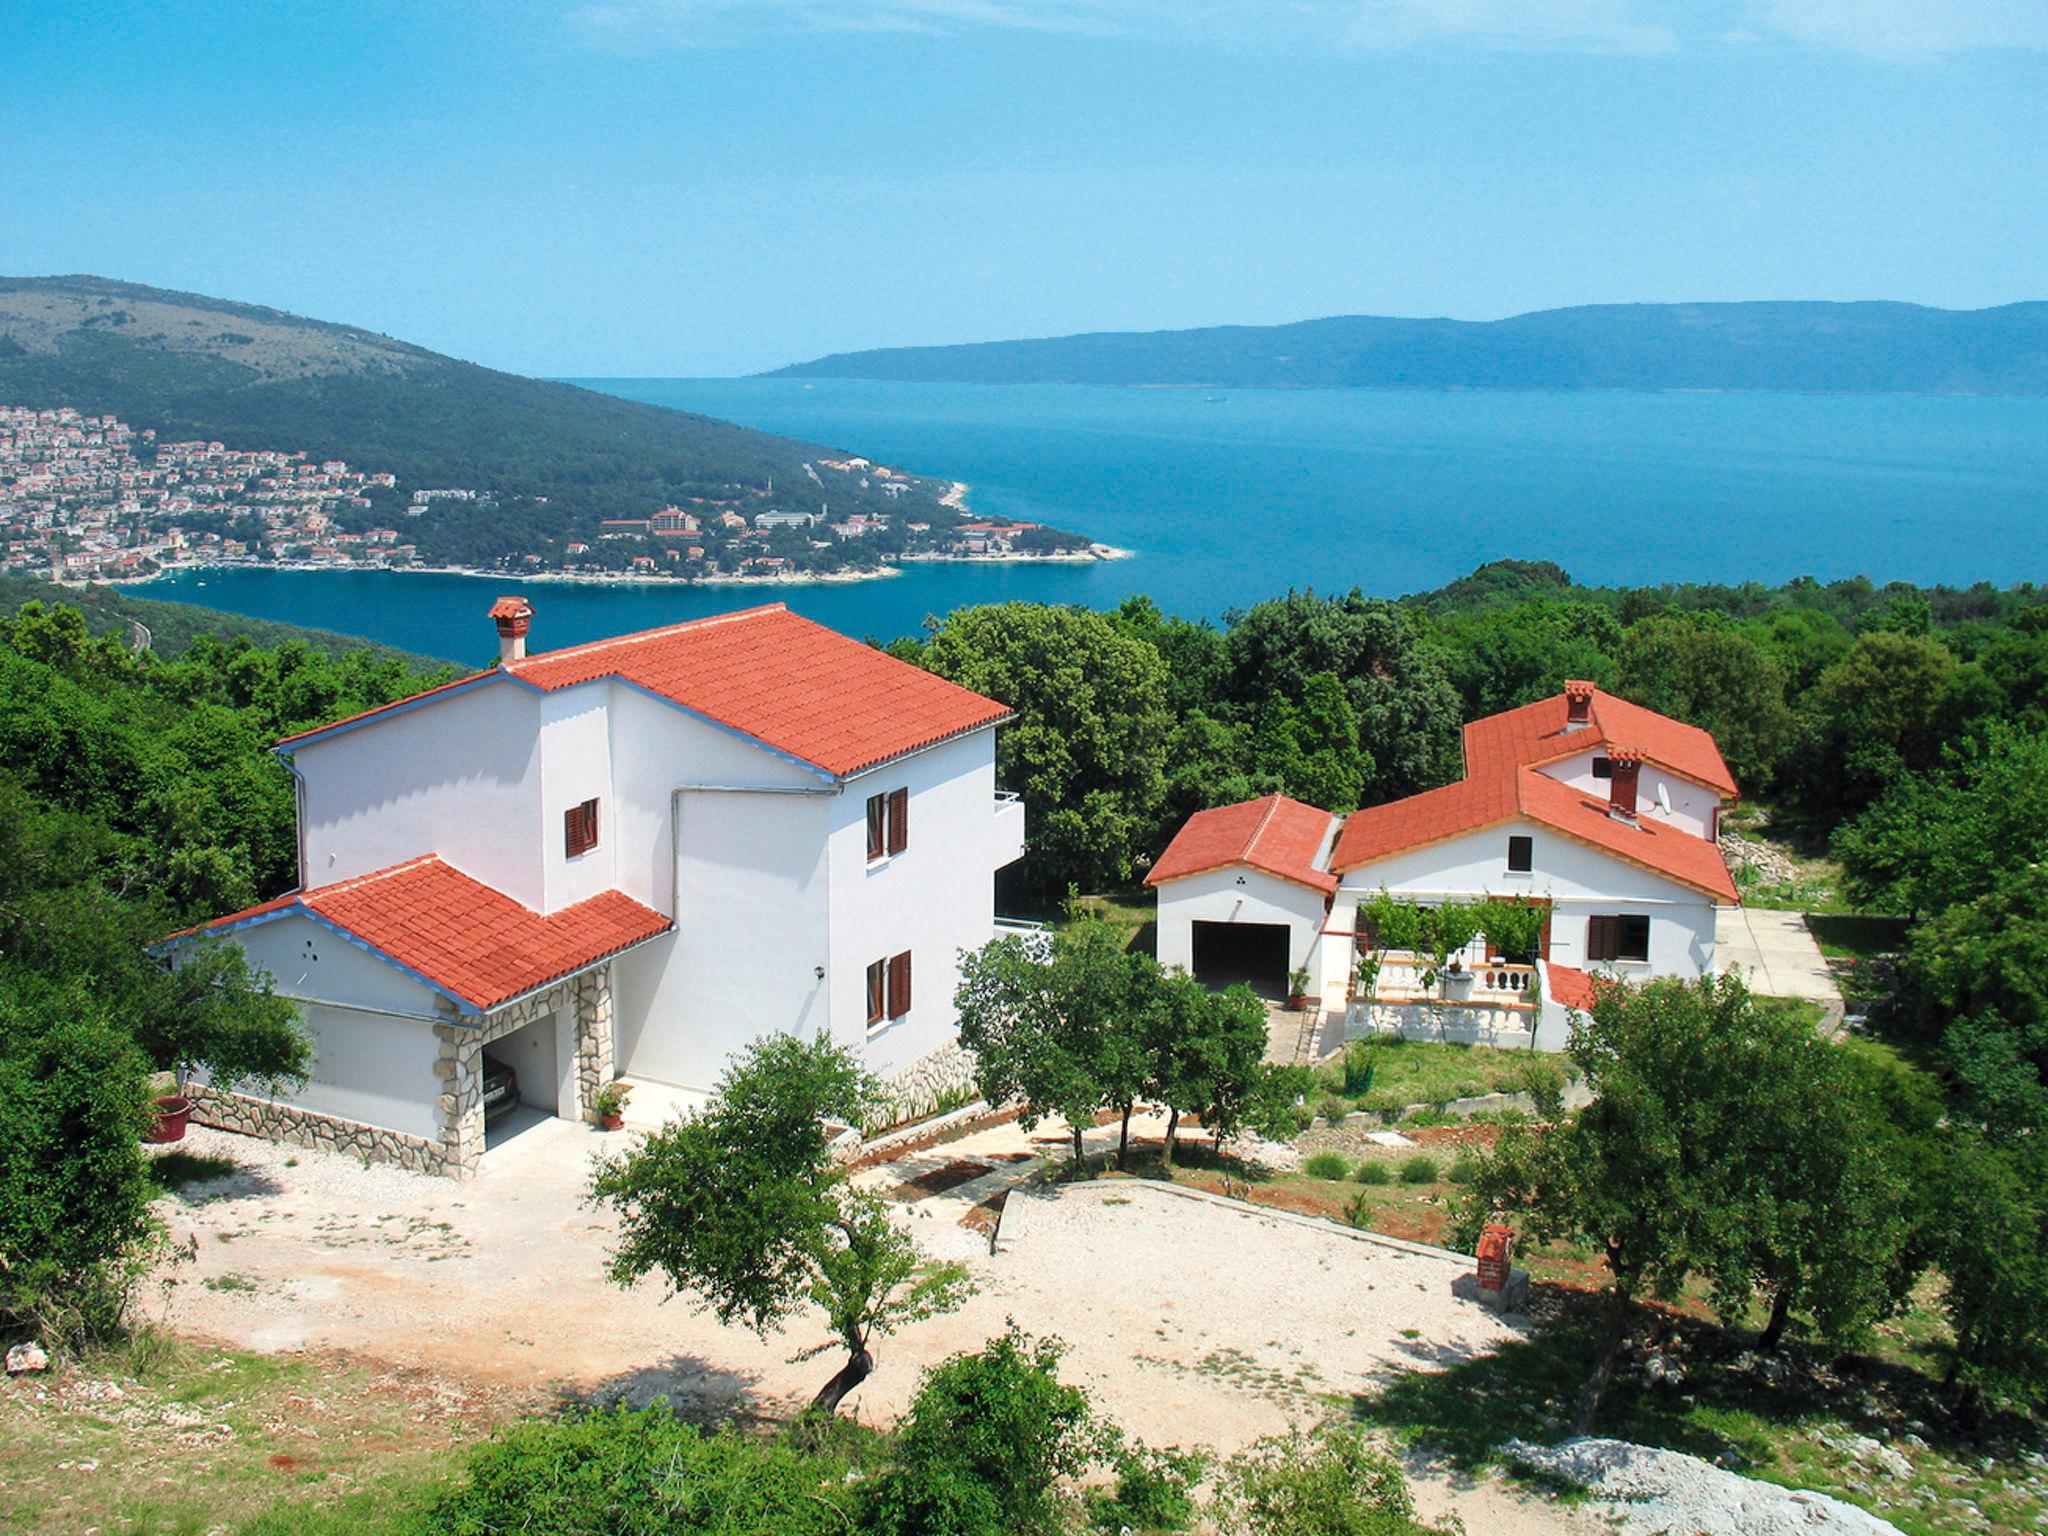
point(899, 985)
point(1618, 938)
point(1635, 938)
point(877, 994)
point(1521, 855)
point(1603, 767)
point(888, 823)
point(579, 828)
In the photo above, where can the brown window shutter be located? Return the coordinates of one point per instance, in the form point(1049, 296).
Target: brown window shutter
point(876, 999)
point(899, 985)
point(590, 824)
point(899, 820)
point(876, 812)
point(1603, 938)
point(572, 830)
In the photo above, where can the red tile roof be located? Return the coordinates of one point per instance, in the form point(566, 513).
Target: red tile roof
point(1274, 834)
point(1501, 784)
point(1571, 987)
point(1535, 734)
point(461, 936)
point(834, 703)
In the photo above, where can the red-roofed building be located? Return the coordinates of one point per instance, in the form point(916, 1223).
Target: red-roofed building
point(1604, 812)
point(625, 858)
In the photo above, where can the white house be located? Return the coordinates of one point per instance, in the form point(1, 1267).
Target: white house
point(627, 858)
point(1601, 811)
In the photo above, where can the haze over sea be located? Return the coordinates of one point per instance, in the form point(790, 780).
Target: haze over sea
point(1228, 496)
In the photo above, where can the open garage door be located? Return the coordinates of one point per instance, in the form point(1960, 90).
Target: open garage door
point(1255, 953)
point(529, 1077)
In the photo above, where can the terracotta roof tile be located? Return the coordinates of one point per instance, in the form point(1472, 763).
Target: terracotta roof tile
point(1273, 834)
point(460, 935)
point(1571, 987)
point(1535, 733)
point(800, 688)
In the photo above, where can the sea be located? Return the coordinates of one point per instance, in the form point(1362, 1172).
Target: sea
point(1227, 496)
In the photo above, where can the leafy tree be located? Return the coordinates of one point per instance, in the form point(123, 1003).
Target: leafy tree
point(1979, 974)
point(743, 1204)
point(1688, 1159)
point(1708, 673)
point(1058, 1026)
point(1088, 748)
point(1330, 1481)
point(1207, 1051)
point(986, 1447)
point(1990, 1219)
point(1884, 710)
point(1501, 658)
point(1955, 833)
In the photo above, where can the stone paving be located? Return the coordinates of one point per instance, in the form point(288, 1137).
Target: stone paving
point(1775, 954)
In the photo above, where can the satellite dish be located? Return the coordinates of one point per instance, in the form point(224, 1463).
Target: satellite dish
point(1663, 800)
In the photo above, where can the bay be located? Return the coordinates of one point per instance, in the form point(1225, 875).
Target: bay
point(1228, 496)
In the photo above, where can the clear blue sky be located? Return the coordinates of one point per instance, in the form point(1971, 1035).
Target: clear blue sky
point(718, 186)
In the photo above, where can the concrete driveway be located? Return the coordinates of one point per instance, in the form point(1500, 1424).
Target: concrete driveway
point(1775, 954)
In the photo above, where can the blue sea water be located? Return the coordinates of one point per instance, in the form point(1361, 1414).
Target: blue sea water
point(1228, 496)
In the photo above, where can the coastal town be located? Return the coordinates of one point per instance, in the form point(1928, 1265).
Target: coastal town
point(88, 497)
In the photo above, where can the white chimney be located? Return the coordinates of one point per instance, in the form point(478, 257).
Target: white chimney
point(514, 616)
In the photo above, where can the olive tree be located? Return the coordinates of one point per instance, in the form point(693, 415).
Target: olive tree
point(743, 1205)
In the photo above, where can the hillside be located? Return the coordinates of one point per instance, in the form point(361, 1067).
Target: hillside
point(547, 461)
point(1836, 348)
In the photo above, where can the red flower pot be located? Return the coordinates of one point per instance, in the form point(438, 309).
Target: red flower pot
point(612, 1122)
point(173, 1113)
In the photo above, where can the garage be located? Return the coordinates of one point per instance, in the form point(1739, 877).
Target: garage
point(529, 1076)
point(1254, 953)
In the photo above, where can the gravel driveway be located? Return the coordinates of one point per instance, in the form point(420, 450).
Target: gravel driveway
point(1192, 1321)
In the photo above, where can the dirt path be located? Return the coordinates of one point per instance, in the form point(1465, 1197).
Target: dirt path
point(1191, 1322)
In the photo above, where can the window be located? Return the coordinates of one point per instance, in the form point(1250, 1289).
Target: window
point(1603, 767)
point(877, 995)
point(579, 828)
point(888, 823)
point(899, 985)
point(1617, 938)
point(1521, 855)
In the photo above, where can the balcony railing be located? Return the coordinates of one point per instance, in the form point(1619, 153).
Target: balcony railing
point(1494, 984)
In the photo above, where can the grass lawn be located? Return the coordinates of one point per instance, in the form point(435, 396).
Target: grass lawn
point(1408, 1072)
point(174, 1439)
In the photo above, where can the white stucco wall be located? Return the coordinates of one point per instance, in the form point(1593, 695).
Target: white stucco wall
point(1237, 894)
point(459, 776)
point(371, 1068)
point(1579, 880)
point(1692, 805)
point(307, 959)
point(934, 899)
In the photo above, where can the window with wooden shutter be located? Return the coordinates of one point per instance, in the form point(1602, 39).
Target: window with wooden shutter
point(899, 820)
point(1521, 855)
point(579, 828)
point(899, 985)
point(1603, 938)
point(877, 816)
point(877, 995)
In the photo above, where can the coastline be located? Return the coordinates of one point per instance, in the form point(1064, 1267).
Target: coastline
point(1095, 552)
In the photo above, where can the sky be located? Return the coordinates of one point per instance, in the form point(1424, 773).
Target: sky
point(699, 187)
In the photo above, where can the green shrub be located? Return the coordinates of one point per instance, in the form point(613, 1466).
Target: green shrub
point(1326, 1165)
point(1543, 1081)
point(639, 1472)
point(1331, 1482)
point(1464, 1169)
point(1333, 1106)
point(1154, 1492)
point(1374, 1171)
point(76, 1231)
point(1419, 1169)
point(1358, 1068)
point(985, 1448)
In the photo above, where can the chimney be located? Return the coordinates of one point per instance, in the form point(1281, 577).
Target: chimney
point(1621, 787)
point(1578, 704)
point(514, 616)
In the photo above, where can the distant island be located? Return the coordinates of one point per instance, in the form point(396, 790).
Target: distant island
point(143, 430)
point(1829, 348)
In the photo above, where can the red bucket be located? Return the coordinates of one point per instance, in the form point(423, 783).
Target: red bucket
point(173, 1113)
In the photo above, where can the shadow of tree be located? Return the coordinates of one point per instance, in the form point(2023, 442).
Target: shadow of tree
point(1725, 1403)
point(199, 1179)
point(699, 1392)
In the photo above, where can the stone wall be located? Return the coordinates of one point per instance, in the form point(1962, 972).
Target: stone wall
point(305, 1128)
point(945, 1075)
point(1464, 1023)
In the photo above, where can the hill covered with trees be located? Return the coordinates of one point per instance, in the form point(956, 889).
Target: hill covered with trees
point(1828, 348)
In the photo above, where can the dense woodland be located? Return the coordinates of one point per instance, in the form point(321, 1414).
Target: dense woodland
point(1903, 727)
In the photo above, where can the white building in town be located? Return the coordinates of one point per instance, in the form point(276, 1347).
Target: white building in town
point(1604, 812)
point(627, 858)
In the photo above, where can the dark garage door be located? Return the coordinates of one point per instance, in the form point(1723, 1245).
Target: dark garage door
point(1227, 953)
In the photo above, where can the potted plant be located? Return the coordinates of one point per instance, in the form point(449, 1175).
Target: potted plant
point(1297, 989)
point(610, 1105)
point(1457, 982)
point(173, 1114)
